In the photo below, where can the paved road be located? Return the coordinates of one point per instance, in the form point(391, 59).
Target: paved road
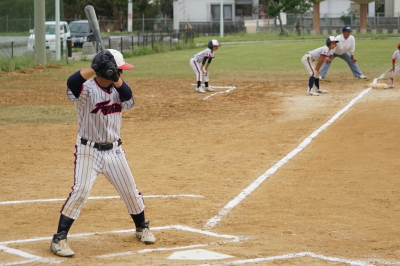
point(9, 39)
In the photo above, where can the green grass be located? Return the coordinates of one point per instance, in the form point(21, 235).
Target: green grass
point(16, 63)
point(291, 36)
point(37, 114)
point(264, 61)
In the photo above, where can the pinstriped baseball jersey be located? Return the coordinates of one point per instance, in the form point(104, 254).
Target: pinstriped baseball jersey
point(207, 53)
point(99, 112)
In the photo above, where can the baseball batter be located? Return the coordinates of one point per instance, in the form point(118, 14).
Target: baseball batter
point(394, 70)
point(100, 102)
point(200, 63)
point(320, 55)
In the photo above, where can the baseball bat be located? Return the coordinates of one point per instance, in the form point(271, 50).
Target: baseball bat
point(94, 25)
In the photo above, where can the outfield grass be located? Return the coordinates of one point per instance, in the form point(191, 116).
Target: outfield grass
point(264, 61)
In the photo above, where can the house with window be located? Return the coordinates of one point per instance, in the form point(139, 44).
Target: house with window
point(209, 10)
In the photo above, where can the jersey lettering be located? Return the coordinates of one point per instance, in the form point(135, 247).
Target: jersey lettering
point(107, 109)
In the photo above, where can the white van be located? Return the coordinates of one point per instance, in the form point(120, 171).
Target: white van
point(51, 36)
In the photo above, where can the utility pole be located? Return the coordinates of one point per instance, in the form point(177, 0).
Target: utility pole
point(221, 30)
point(57, 4)
point(176, 16)
point(130, 16)
point(40, 32)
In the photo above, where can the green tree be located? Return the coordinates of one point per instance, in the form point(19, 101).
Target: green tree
point(275, 7)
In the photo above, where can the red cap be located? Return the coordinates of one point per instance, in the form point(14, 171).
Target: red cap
point(398, 45)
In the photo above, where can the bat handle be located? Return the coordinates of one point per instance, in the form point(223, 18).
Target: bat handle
point(109, 72)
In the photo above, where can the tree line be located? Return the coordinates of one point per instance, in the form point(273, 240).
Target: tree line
point(74, 9)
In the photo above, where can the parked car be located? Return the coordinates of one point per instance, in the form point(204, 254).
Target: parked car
point(50, 27)
point(80, 33)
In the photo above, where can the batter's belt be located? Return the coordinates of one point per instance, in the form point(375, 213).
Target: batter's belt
point(106, 146)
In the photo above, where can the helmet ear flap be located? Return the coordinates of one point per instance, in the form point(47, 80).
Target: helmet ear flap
point(210, 44)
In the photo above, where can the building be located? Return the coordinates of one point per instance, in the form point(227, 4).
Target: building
point(209, 10)
point(338, 8)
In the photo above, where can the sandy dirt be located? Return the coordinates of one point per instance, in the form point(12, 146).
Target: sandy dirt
point(337, 199)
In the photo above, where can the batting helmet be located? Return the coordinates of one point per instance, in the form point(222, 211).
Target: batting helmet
point(330, 40)
point(213, 43)
point(119, 60)
point(116, 57)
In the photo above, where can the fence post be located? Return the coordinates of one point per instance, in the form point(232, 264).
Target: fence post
point(12, 49)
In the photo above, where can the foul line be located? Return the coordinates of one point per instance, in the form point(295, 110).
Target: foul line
point(106, 197)
point(216, 219)
point(296, 255)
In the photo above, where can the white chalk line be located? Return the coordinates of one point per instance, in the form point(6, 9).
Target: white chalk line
point(91, 198)
point(215, 93)
point(32, 258)
point(299, 255)
point(229, 89)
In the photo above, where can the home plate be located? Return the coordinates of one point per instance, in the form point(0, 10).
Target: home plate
point(197, 254)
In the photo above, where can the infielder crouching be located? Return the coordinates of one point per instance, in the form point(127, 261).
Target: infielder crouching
point(320, 55)
point(200, 63)
point(100, 102)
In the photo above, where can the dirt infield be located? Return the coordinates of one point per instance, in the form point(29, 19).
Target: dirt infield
point(336, 202)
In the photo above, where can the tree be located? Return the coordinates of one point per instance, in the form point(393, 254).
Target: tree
point(275, 7)
point(165, 7)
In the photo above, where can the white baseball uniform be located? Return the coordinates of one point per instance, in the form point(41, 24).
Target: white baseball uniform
point(395, 56)
point(98, 148)
point(200, 58)
point(314, 55)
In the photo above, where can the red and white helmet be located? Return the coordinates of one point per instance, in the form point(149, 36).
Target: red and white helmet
point(119, 60)
point(213, 43)
point(330, 40)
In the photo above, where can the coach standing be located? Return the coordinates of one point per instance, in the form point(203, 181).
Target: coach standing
point(345, 50)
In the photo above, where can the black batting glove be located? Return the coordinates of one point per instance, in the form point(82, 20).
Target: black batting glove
point(112, 71)
point(100, 60)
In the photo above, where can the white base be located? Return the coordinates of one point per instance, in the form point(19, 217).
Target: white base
point(197, 254)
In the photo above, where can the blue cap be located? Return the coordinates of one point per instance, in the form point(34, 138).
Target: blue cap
point(346, 28)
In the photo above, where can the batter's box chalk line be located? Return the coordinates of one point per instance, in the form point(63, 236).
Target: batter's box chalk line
point(228, 89)
point(29, 258)
point(92, 198)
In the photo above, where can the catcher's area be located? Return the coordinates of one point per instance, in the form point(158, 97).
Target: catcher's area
point(200, 163)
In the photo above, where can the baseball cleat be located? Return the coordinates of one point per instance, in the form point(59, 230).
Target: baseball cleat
point(199, 89)
point(209, 89)
point(390, 86)
point(361, 77)
point(60, 246)
point(311, 92)
point(322, 91)
point(144, 234)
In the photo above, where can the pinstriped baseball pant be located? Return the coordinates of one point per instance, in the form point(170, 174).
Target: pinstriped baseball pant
point(89, 163)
